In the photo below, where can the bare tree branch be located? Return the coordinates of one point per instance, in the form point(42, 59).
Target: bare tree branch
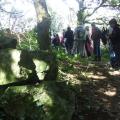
point(112, 6)
point(8, 12)
point(101, 4)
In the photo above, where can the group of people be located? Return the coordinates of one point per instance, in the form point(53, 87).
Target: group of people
point(84, 42)
point(73, 41)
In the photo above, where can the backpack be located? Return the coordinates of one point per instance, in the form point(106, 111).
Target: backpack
point(81, 33)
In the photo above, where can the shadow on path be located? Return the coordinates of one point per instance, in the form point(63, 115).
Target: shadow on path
point(99, 95)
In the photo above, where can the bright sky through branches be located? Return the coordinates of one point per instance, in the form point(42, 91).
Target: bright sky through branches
point(67, 9)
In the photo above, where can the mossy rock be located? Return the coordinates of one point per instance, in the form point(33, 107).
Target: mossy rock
point(47, 101)
point(8, 42)
point(16, 65)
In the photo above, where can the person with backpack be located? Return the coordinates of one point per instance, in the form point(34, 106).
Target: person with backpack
point(115, 43)
point(79, 41)
point(96, 36)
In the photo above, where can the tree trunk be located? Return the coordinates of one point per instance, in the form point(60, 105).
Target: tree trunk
point(43, 24)
point(43, 27)
point(80, 14)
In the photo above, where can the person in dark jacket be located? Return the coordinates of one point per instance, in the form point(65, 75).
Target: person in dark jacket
point(79, 41)
point(96, 36)
point(115, 39)
point(56, 40)
point(69, 38)
point(104, 35)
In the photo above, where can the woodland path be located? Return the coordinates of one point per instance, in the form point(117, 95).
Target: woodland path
point(97, 88)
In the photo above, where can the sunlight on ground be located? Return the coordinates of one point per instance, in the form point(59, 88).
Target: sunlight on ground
point(111, 92)
point(96, 77)
point(114, 73)
point(70, 78)
point(108, 90)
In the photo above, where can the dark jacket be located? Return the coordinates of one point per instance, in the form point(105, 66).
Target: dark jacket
point(96, 34)
point(115, 36)
point(69, 36)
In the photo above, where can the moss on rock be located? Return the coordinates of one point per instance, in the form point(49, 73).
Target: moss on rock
point(20, 65)
point(48, 101)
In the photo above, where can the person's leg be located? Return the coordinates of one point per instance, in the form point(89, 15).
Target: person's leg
point(82, 48)
point(87, 48)
point(71, 47)
point(79, 47)
point(74, 47)
point(95, 50)
point(117, 53)
point(98, 51)
point(84, 51)
point(66, 46)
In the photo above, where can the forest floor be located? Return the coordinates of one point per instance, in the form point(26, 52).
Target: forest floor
point(96, 86)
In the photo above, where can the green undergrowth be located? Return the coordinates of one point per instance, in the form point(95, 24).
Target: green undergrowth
point(47, 100)
point(70, 97)
point(86, 78)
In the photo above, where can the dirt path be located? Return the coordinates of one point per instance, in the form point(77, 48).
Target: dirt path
point(99, 97)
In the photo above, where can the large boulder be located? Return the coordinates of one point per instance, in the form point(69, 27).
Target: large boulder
point(16, 65)
point(7, 40)
point(47, 101)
